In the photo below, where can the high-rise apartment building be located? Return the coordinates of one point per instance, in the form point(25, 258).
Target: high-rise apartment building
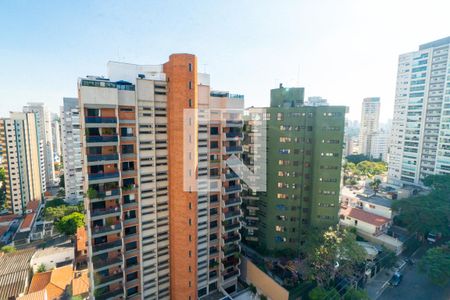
point(370, 117)
point(71, 150)
point(19, 147)
point(304, 158)
point(156, 229)
point(379, 145)
point(56, 137)
point(419, 143)
point(46, 141)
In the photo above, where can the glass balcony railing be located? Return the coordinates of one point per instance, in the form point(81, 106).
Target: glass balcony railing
point(231, 238)
point(232, 214)
point(99, 120)
point(108, 262)
point(105, 211)
point(232, 202)
point(233, 149)
point(233, 189)
point(110, 294)
point(229, 250)
point(108, 193)
point(107, 246)
point(100, 176)
point(101, 139)
point(231, 274)
point(102, 157)
point(106, 229)
point(230, 227)
point(109, 279)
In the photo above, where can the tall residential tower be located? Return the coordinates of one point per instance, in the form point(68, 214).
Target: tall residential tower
point(420, 143)
point(370, 117)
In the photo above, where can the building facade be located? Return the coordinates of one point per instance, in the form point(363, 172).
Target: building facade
point(19, 146)
point(304, 158)
point(370, 116)
point(46, 141)
point(317, 101)
point(419, 143)
point(71, 150)
point(156, 230)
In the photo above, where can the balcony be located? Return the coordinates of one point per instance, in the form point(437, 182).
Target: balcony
point(100, 264)
point(231, 214)
point(234, 123)
point(109, 295)
point(107, 247)
point(231, 238)
point(102, 281)
point(232, 149)
point(100, 120)
point(232, 136)
point(230, 262)
point(229, 176)
point(128, 137)
point(129, 189)
point(108, 229)
point(230, 250)
point(232, 189)
point(231, 227)
point(232, 202)
point(105, 195)
point(230, 275)
point(105, 212)
point(129, 173)
point(101, 139)
point(102, 158)
point(103, 177)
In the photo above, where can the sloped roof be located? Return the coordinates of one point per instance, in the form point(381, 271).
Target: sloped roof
point(55, 281)
point(366, 217)
point(80, 283)
point(14, 270)
point(81, 239)
point(39, 295)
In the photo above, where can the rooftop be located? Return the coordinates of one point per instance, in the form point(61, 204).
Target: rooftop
point(14, 272)
point(54, 282)
point(80, 283)
point(364, 216)
point(27, 221)
point(81, 239)
point(33, 205)
point(436, 43)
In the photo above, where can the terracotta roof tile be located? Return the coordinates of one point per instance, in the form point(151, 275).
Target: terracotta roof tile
point(39, 295)
point(366, 217)
point(54, 282)
point(81, 239)
point(80, 284)
point(27, 221)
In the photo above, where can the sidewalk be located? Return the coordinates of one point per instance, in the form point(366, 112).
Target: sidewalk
point(377, 284)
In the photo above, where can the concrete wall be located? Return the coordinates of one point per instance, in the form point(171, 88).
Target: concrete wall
point(265, 285)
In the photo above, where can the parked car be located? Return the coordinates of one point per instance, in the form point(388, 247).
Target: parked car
point(433, 237)
point(396, 279)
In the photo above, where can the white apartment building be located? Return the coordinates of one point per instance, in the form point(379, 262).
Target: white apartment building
point(56, 136)
point(19, 149)
point(379, 145)
point(420, 143)
point(370, 115)
point(45, 137)
point(71, 150)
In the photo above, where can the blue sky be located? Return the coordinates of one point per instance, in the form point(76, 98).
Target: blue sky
point(340, 50)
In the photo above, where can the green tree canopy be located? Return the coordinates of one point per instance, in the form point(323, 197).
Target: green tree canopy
point(69, 224)
point(356, 294)
point(338, 253)
point(436, 264)
point(320, 293)
point(8, 249)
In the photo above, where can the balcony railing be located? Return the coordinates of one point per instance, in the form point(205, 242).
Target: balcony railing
point(106, 229)
point(231, 238)
point(234, 122)
point(230, 250)
point(100, 120)
point(107, 246)
point(233, 149)
point(100, 263)
point(232, 214)
point(230, 176)
point(232, 189)
point(109, 279)
point(102, 157)
point(101, 138)
point(231, 274)
point(230, 227)
point(230, 263)
point(109, 193)
point(110, 295)
point(105, 211)
point(101, 176)
point(233, 202)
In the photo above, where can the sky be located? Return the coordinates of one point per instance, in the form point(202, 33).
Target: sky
point(341, 50)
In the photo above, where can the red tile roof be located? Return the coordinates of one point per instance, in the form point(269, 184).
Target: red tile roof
point(81, 239)
point(7, 218)
point(27, 221)
point(33, 205)
point(366, 217)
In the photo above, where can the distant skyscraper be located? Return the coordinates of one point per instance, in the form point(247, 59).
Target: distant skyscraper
point(19, 149)
point(56, 136)
point(46, 139)
point(71, 147)
point(150, 236)
point(370, 115)
point(379, 145)
point(420, 143)
point(316, 101)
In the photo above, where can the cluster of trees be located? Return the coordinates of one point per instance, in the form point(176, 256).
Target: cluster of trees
point(426, 213)
point(364, 169)
point(430, 213)
point(67, 218)
point(336, 254)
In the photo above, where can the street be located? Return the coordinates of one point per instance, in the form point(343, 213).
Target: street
point(414, 285)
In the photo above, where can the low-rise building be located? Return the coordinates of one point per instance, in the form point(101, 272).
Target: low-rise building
point(55, 282)
point(367, 201)
point(14, 273)
point(53, 257)
point(364, 221)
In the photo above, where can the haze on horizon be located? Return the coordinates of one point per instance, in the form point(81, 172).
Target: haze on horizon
point(341, 50)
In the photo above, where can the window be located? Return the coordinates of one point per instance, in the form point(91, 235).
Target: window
point(284, 151)
point(190, 67)
point(132, 276)
point(280, 116)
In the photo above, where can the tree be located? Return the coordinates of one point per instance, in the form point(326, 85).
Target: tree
point(8, 249)
point(375, 185)
point(338, 253)
point(69, 224)
point(436, 264)
point(357, 158)
point(425, 213)
point(356, 294)
point(320, 293)
point(41, 268)
point(252, 289)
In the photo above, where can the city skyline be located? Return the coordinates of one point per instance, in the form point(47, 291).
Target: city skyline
point(235, 46)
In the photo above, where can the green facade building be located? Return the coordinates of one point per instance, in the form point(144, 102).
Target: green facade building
point(304, 159)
